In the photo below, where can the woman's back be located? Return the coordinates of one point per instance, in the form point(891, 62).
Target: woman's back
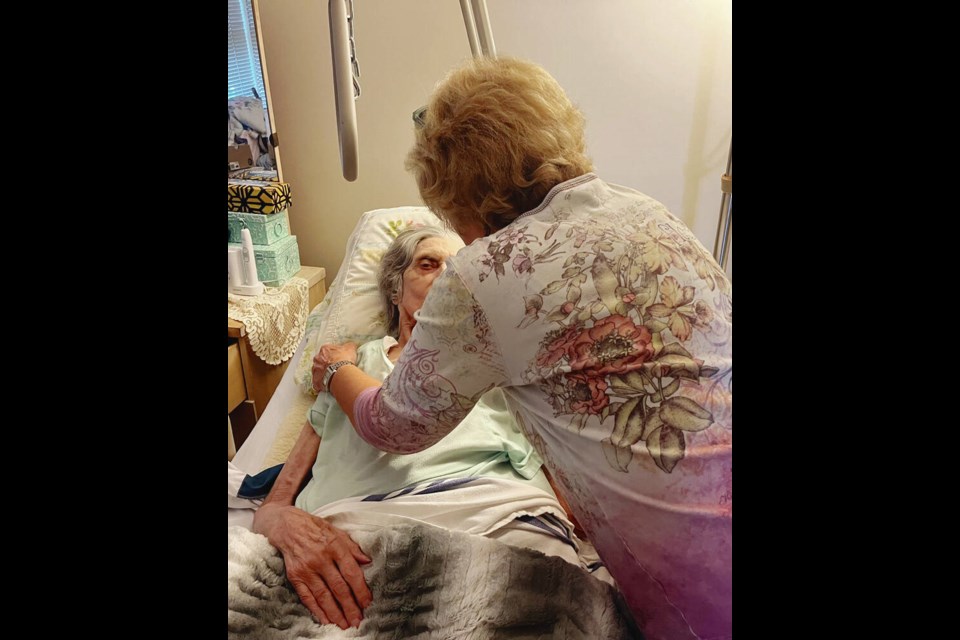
point(608, 325)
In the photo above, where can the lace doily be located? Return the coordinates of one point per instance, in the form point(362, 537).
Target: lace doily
point(275, 320)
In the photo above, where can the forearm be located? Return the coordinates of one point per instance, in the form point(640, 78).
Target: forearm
point(358, 395)
point(296, 470)
point(346, 385)
point(389, 430)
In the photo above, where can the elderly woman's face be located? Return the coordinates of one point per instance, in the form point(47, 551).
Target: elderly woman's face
point(428, 263)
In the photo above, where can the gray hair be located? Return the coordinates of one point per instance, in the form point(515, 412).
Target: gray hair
point(395, 261)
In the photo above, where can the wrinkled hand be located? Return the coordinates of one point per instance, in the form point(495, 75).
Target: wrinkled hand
point(326, 356)
point(322, 563)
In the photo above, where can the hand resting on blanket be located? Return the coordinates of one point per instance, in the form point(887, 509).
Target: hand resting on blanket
point(321, 562)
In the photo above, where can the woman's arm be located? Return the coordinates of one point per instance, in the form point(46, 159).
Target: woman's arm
point(296, 470)
point(347, 385)
point(321, 560)
point(450, 361)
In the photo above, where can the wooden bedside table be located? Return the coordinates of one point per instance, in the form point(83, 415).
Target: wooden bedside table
point(251, 381)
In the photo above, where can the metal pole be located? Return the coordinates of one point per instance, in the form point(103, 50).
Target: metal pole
point(721, 245)
point(483, 28)
point(471, 27)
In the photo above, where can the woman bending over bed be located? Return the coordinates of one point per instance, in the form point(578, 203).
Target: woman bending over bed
point(483, 478)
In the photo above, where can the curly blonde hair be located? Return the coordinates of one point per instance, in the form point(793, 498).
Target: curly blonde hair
point(497, 135)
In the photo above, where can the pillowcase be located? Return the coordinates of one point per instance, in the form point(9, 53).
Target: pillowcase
point(352, 310)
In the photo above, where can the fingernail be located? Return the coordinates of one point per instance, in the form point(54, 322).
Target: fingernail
point(355, 622)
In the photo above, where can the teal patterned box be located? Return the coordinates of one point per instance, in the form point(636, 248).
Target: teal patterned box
point(265, 229)
point(278, 262)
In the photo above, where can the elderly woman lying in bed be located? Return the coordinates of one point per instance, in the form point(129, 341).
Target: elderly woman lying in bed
point(483, 478)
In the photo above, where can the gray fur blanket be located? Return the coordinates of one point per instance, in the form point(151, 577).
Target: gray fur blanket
point(429, 582)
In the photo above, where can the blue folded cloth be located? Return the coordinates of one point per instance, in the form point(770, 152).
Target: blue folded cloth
point(258, 486)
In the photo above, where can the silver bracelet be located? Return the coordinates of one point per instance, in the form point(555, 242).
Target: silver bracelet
point(332, 369)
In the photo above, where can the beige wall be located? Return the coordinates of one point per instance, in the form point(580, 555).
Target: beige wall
point(653, 78)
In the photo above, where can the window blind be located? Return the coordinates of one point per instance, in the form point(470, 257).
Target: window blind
point(244, 75)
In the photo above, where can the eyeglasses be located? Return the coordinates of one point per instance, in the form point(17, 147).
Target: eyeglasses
point(418, 117)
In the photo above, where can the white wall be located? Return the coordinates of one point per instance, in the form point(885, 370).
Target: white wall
point(653, 78)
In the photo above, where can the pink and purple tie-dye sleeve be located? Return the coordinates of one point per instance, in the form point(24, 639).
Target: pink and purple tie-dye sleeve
point(450, 361)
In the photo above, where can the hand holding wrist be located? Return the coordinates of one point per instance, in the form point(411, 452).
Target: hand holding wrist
point(331, 354)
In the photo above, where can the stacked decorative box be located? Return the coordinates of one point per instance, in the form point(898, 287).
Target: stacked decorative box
point(261, 207)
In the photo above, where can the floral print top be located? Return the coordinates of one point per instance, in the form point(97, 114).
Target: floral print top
point(608, 326)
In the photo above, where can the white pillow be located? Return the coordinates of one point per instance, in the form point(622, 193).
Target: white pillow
point(352, 310)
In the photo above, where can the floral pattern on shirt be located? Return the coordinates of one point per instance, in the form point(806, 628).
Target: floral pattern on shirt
point(419, 378)
point(617, 352)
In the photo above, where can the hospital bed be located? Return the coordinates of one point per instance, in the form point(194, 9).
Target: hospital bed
point(548, 595)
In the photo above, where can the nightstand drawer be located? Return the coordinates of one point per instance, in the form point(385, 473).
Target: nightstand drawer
point(236, 390)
